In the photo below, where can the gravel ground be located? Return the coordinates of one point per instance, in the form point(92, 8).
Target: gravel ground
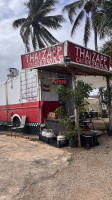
point(37, 171)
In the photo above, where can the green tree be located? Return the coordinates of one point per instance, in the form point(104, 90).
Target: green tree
point(107, 49)
point(82, 90)
point(105, 14)
point(87, 11)
point(77, 96)
point(34, 26)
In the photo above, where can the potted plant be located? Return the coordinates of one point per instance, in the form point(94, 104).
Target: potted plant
point(77, 96)
point(71, 131)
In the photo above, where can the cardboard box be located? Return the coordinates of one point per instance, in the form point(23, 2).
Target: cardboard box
point(52, 115)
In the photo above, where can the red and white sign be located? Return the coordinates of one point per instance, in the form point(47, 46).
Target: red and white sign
point(49, 56)
point(55, 55)
point(86, 57)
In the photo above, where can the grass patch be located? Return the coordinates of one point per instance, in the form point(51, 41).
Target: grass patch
point(33, 139)
point(70, 160)
point(8, 134)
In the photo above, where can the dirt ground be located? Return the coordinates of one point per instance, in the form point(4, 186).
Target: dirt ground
point(36, 171)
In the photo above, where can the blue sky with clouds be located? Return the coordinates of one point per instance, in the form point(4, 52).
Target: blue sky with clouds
point(11, 45)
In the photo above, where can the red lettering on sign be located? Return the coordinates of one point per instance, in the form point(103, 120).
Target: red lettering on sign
point(59, 82)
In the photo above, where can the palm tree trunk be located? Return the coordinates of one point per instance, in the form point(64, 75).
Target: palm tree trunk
point(95, 38)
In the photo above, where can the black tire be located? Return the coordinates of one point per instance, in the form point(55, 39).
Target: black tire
point(16, 122)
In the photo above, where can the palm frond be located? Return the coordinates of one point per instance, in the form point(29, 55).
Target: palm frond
point(87, 31)
point(25, 32)
point(42, 13)
point(18, 22)
point(105, 13)
point(107, 49)
point(41, 7)
point(48, 36)
point(106, 46)
point(77, 21)
point(53, 21)
point(73, 8)
point(41, 41)
point(39, 37)
point(49, 4)
point(34, 6)
point(34, 27)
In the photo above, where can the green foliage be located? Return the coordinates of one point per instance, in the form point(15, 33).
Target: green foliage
point(60, 112)
point(64, 93)
point(107, 49)
point(105, 13)
point(77, 96)
point(70, 160)
point(81, 91)
point(106, 94)
point(71, 131)
point(85, 10)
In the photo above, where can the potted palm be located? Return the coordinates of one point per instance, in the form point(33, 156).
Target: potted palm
point(71, 131)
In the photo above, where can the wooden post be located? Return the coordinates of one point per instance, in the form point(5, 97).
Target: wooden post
point(109, 102)
point(73, 87)
point(76, 111)
point(100, 101)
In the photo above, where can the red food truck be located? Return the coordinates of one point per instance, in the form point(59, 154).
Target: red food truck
point(32, 93)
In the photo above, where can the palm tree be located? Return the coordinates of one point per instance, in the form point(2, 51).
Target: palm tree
point(87, 10)
point(34, 26)
point(106, 27)
point(107, 49)
point(106, 15)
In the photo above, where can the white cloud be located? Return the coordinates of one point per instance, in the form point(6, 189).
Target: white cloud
point(18, 8)
point(11, 45)
point(12, 8)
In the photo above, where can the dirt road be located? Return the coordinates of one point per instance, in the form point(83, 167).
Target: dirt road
point(37, 171)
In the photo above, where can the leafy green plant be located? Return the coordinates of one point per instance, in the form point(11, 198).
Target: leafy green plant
point(64, 93)
point(71, 130)
point(81, 91)
point(106, 94)
point(77, 96)
point(60, 112)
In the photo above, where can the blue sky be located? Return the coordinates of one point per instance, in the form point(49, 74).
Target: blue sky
point(11, 45)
